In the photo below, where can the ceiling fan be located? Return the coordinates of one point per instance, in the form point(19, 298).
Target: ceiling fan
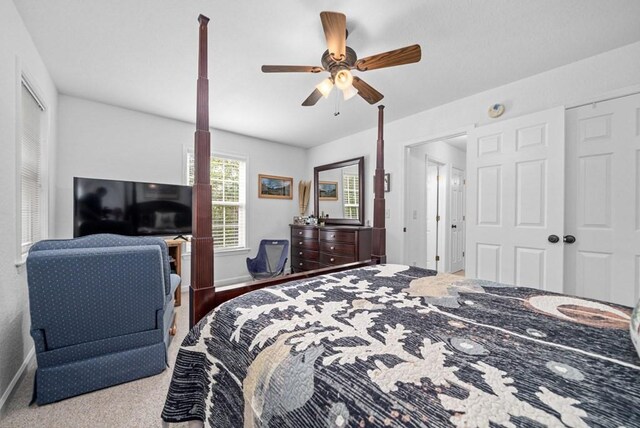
point(339, 59)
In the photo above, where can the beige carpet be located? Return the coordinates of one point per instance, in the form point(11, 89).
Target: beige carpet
point(133, 404)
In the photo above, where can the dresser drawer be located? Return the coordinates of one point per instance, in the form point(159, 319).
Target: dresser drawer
point(332, 259)
point(337, 236)
point(298, 264)
point(304, 233)
point(307, 244)
point(303, 253)
point(338, 248)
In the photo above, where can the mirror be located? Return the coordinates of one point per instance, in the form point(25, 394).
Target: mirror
point(339, 192)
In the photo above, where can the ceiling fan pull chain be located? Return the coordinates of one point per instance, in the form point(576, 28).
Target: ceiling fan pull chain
point(337, 104)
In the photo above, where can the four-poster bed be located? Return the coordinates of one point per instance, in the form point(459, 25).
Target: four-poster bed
point(203, 296)
point(374, 344)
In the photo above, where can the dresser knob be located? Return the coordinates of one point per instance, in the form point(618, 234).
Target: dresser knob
point(300, 253)
point(300, 243)
point(333, 236)
point(300, 233)
point(332, 259)
point(333, 248)
point(300, 264)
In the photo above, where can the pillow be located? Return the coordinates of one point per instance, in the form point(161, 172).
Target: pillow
point(634, 327)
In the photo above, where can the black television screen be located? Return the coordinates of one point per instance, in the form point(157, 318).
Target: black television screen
point(130, 208)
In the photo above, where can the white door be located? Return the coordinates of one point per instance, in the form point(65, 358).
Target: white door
point(457, 220)
point(603, 201)
point(515, 186)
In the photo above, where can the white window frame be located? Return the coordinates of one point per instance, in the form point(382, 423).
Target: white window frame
point(348, 189)
point(243, 234)
point(23, 77)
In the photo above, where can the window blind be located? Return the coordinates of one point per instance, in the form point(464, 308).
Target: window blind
point(228, 200)
point(30, 169)
point(350, 190)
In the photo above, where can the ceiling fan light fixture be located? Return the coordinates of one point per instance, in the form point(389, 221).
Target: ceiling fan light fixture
point(344, 79)
point(349, 93)
point(325, 87)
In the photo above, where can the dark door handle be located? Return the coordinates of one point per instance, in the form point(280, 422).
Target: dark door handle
point(553, 239)
point(569, 239)
point(453, 226)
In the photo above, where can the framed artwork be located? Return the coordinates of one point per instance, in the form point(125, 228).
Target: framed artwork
point(275, 187)
point(328, 190)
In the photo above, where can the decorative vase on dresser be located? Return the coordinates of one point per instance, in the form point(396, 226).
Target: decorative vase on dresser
point(314, 247)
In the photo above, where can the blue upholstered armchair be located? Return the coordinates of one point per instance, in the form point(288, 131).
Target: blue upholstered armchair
point(101, 310)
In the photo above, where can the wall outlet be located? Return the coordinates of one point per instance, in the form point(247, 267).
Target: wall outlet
point(415, 214)
point(387, 213)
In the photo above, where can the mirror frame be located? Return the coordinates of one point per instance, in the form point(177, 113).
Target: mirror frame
point(316, 195)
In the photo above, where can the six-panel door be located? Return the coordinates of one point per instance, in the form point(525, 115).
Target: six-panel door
point(603, 201)
point(515, 185)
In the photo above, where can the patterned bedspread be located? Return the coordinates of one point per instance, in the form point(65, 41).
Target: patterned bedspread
point(391, 345)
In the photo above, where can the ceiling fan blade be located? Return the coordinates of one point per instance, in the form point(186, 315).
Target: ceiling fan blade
point(313, 98)
point(366, 91)
point(291, 69)
point(335, 31)
point(406, 55)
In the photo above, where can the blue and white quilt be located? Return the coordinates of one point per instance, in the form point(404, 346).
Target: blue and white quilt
point(393, 345)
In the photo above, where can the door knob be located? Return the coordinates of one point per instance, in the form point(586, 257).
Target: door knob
point(553, 239)
point(569, 239)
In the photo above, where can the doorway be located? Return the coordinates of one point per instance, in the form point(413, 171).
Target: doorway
point(434, 204)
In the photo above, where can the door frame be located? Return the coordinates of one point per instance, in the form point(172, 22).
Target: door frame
point(406, 147)
point(439, 206)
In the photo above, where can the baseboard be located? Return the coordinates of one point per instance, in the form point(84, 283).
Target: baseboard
point(221, 283)
point(16, 380)
point(236, 280)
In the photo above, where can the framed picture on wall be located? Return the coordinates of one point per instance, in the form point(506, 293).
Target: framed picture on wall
point(328, 190)
point(275, 187)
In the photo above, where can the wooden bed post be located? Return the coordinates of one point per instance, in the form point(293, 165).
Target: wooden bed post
point(378, 250)
point(202, 290)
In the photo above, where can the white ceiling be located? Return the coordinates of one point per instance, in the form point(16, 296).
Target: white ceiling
point(141, 54)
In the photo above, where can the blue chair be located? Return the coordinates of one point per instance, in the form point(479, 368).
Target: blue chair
point(101, 312)
point(271, 259)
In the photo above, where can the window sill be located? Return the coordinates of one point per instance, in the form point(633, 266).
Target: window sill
point(230, 251)
point(22, 260)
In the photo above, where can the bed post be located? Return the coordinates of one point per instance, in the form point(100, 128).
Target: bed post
point(202, 290)
point(378, 250)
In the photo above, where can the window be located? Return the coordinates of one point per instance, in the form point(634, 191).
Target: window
point(31, 180)
point(228, 191)
point(350, 192)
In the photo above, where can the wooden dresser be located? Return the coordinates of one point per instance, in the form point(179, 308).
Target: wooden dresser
point(314, 247)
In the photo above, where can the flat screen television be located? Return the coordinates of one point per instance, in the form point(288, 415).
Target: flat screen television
point(130, 208)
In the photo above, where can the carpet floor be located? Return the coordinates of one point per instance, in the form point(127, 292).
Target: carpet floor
point(132, 404)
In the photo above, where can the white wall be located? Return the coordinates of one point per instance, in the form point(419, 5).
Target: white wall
point(415, 246)
point(17, 55)
point(102, 141)
point(574, 82)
